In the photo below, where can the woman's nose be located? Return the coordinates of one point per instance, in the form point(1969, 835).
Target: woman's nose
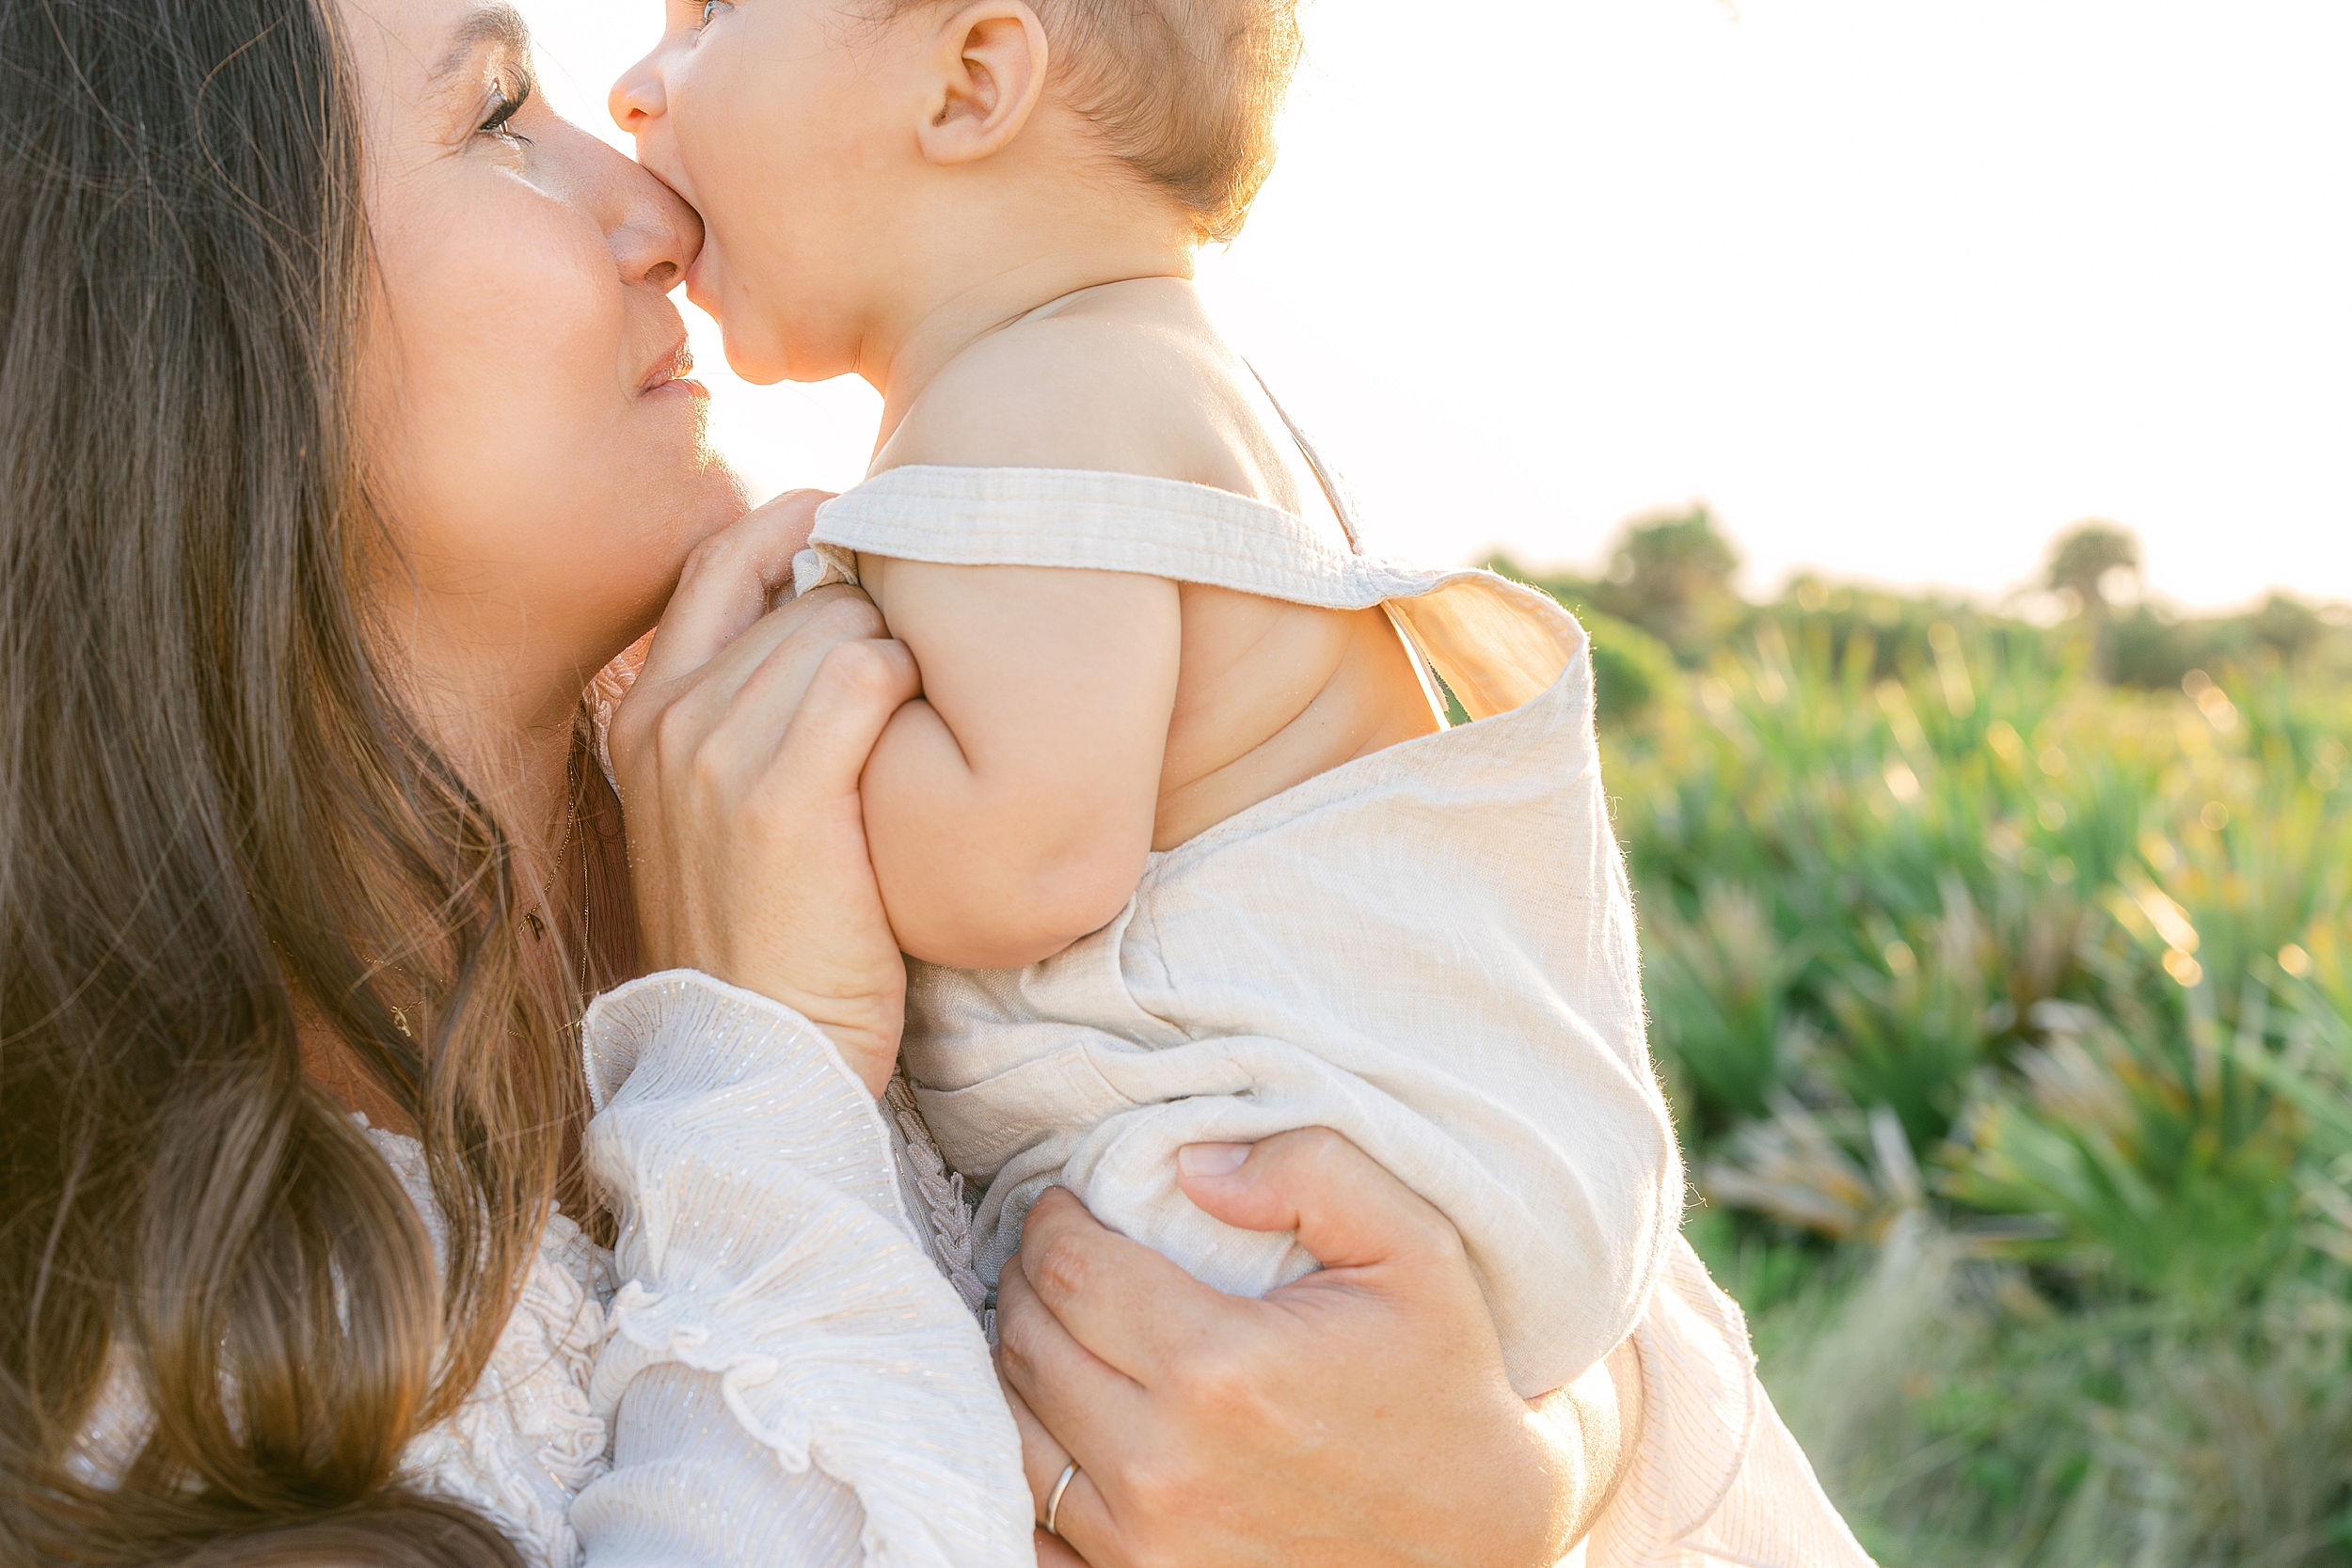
point(637, 98)
point(657, 235)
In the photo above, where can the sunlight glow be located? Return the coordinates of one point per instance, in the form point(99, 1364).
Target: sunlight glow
point(1899, 288)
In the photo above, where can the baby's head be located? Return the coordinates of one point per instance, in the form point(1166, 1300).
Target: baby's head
point(852, 159)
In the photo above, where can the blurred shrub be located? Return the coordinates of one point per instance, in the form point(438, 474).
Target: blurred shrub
point(1631, 670)
point(1670, 575)
point(2007, 1017)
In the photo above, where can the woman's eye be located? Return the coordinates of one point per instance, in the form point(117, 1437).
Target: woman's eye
point(711, 10)
point(509, 104)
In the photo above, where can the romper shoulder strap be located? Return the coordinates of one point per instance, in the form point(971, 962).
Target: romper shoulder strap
point(1342, 506)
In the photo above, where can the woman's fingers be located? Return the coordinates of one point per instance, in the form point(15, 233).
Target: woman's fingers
point(740, 751)
point(728, 583)
point(1030, 1343)
point(1043, 1463)
point(802, 631)
point(787, 645)
point(817, 694)
point(789, 801)
point(795, 511)
point(1349, 1211)
point(1079, 1395)
point(1129, 1306)
point(1041, 1457)
point(1359, 1414)
point(838, 712)
point(1082, 1525)
point(697, 723)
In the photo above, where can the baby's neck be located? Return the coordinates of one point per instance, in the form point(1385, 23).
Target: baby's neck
point(969, 308)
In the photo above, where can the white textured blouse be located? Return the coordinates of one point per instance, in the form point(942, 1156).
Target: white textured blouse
point(779, 1361)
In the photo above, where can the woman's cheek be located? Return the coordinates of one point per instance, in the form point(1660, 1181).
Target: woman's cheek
point(623, 484)
point(534, 361)
point(532, 485)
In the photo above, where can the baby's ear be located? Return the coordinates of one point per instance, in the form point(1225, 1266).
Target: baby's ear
point(990, 62)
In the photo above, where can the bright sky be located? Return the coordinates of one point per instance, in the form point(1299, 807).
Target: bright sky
point(1900, 287)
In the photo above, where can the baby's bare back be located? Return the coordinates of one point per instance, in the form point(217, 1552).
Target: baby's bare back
point(1134, 378)
point(1268, 695)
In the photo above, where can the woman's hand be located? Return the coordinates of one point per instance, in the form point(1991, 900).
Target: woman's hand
point(738, 752)
point(1358, 1416)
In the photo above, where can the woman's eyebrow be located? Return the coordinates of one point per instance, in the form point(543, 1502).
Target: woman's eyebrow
point(498, 24)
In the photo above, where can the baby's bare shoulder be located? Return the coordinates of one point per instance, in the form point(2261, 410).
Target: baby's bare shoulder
point(1089, 391)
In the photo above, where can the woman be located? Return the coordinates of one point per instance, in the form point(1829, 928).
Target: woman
point(346, 439)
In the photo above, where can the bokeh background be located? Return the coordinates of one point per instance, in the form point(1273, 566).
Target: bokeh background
point(1941, 417)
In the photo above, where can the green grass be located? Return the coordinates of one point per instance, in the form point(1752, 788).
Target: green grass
point(2007, 1019)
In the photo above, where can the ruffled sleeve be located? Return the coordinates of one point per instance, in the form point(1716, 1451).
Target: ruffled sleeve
point(789, 1378)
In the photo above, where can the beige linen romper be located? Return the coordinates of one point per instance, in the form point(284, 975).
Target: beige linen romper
point(1430, 949)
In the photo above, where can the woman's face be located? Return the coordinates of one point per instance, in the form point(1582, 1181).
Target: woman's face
point(528, 424)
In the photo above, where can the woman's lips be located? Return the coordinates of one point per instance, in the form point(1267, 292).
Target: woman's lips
point(672, 374)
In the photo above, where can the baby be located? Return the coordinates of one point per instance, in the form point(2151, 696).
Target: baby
point(1178, 841)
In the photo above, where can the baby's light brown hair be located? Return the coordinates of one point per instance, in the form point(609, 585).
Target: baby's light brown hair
point(1185, 92)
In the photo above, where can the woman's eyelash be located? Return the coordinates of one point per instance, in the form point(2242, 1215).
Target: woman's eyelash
point(713, 7)
point(509, 104)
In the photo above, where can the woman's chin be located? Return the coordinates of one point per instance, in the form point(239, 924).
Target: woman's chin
point(687, 402)
point(719, 492)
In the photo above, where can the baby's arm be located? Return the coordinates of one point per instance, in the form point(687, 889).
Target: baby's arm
point(1009, 808)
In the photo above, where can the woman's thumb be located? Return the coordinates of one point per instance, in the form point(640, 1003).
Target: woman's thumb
point(1348, 1211)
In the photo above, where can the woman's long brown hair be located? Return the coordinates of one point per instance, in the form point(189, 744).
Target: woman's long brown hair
point(214, 814)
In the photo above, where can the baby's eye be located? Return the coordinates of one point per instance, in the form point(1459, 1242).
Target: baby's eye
point(711, 10)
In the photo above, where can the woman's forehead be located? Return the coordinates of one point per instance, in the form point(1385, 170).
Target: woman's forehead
point(420, 46)
point(478, 26)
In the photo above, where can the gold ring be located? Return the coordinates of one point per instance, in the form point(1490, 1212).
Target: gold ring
point(1053, 1504)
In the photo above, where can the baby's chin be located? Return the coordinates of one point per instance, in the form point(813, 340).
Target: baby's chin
point(756, 350)
point(759, 346)
point(762, 358)
point(756, 364)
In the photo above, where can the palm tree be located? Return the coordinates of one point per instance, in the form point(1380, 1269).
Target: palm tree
point(2080, 559)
